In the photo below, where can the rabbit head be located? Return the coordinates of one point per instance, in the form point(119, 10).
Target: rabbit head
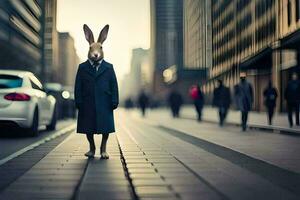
point(95, 52)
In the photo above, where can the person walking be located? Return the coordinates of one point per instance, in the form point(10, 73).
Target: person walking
point(96, 94)
point(270, 96)
point(128, 103)
point(175, 101)
point(143, 102)
point(292, 97)
point(222, 100)
point(244, 98)
point(198, 98)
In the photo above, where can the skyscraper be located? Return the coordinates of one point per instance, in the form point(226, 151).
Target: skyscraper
point(20, 35)
point(67, 61)
point(50, 36)
point(197, 34)
point(166, 40)
point(244, 32)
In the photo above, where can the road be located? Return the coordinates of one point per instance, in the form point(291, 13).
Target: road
point(159, 157)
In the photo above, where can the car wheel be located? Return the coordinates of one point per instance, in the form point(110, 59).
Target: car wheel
point(34, 129)
point(52, 124)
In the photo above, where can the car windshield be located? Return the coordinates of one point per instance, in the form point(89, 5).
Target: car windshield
point(10, 81)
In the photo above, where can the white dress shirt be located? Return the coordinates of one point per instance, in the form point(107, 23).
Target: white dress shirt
point(98, 64)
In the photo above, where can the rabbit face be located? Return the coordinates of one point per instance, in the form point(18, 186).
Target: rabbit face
point(95, 51)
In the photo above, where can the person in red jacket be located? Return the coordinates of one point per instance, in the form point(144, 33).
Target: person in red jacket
point(198, 98)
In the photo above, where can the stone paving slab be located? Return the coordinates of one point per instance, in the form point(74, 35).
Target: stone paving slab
point(280, 150)
point(105, 179)
point(16, 167)
point(200, 169)
point(51, 178)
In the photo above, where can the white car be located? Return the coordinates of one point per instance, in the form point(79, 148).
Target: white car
point(24, 103)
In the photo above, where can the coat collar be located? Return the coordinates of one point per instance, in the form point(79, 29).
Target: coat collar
point(102, 68)
point(90, 70)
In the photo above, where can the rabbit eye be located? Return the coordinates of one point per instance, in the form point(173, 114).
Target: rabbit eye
point(100, 47)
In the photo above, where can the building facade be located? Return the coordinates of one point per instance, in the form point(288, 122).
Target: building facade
point(259, 37)
point(197, 35)
point(244, 34)
point(286, 58)
point(68, 60)
point(21, 35)
point(50, 37)
point(197, 40)
point(139, 75)
point(166, 41)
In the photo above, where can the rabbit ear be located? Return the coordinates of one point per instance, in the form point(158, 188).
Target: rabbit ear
point(103, 34)
point(88, 34)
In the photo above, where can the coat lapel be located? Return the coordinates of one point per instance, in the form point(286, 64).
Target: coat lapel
point(89, 68)
point(102, 68)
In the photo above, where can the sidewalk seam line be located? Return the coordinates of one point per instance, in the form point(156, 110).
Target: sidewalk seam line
point(77, 187)
point(216, 152)
point(126, 172)
point(223, 196)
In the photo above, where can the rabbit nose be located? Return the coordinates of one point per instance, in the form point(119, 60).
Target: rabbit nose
point(96, 55)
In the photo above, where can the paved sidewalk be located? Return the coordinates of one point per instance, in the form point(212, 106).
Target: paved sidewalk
point(278, 149)
point(255, 119)
point(149, 162)
point(53, 177)
point(190, 172)
point(105, 179)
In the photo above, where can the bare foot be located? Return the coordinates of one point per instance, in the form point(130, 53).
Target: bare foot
point(104, 155)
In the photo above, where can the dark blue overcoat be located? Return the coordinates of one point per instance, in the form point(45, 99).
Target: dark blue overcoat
point(96, 96)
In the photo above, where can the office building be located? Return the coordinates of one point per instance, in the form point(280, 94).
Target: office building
point(166, 43)
point(21, 35)
point(197, 40)
point(139, 76)
point(50, 37)
point(244, 34)
point(197, 35)
point(67, 61)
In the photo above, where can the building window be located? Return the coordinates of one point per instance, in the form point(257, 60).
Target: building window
point(49, 19)
point(289, 7)
point(297, 10)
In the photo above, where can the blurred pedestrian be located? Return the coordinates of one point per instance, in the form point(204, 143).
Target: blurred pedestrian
point(198, 98)
point(143, 101)
point(128, 103)
point(222, 100)
point(175, 101)
point(244, 98)
point(292, 96)
point(270, 96)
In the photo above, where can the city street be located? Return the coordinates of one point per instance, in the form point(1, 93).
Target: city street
point(156, 157)
point(149, 100)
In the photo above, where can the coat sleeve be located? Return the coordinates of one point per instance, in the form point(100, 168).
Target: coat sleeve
point(114, 90)
point(78, 89)
point(228, 95)
point(251, 93)
point(214, 102)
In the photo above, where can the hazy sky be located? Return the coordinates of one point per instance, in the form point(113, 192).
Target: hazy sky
point(129, 22)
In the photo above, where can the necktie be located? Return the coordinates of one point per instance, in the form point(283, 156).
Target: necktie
point(95, 64)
